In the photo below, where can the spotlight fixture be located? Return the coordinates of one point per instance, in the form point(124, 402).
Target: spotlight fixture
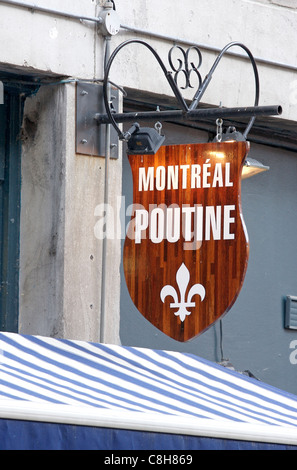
point(143, 140)
point(252, 167)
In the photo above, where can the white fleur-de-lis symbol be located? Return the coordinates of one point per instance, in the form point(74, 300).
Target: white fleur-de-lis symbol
point(182, 279)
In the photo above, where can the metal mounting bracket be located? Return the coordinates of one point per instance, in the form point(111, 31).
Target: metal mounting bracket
point(90, 135)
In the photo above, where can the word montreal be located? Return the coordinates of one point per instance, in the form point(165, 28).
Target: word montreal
point(172, 176)
point(172, 223)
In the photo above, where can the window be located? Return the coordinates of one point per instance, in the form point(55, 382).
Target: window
point(10, 183)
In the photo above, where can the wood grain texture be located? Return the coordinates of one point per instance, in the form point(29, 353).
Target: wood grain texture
point(219, 265)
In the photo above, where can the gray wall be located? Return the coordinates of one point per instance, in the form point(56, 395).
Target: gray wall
point(253, 333)
point(42, 213)
point(60, 255)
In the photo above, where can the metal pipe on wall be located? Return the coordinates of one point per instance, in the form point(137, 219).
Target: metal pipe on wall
point(106, 195)
point(50, 11)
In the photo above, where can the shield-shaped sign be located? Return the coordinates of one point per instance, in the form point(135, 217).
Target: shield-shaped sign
point(186, 247)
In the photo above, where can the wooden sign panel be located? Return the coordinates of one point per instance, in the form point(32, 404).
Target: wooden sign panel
point(186, 249)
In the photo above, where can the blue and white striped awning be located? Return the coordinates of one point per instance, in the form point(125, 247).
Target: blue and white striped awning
point(108, 386)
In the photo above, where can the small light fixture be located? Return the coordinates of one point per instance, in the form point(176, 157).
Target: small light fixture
point(143, 140)
point(252, 167)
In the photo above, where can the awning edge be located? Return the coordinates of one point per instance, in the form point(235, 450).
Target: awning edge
point(158, 423)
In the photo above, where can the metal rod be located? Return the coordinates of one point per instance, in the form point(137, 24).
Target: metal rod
point(106, 197)
point(206, 82)
point(195, 114)
point(208, 77)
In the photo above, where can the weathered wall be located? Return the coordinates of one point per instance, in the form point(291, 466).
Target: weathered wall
point(85, 182)
point(61, 258)
point(40, 41)
point(43, 213)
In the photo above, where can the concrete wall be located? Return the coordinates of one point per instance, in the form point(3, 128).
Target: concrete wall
point(40, 41)
point(43, 213)
point(61, 258)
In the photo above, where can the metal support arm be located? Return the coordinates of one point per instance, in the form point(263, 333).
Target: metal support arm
point(185, 113)
point(94, 107)
point(192, 115)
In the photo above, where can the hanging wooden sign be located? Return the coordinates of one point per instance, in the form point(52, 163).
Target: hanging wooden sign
point(186, 248)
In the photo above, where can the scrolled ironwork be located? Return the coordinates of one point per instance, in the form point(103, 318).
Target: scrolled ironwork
point(185, 66)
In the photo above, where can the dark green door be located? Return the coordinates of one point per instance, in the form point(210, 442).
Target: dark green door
point(10, 184)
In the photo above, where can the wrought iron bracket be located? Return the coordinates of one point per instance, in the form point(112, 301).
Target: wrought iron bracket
point(95, 109)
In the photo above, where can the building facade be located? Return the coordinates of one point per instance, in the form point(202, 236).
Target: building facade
point(65, 212)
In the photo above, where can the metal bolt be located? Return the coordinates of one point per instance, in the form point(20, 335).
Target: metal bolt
point(84, 92)
point(84, 141)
